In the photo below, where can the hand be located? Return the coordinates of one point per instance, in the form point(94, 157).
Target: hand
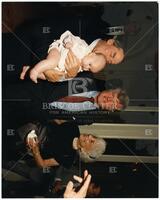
point(72, 65)
point(59, 121)
point(57, 186)
point(70, 191)
point(53, 75)
point(33, 143)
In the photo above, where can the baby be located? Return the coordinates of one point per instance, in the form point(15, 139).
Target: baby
point(57, 53)
point(93, 57)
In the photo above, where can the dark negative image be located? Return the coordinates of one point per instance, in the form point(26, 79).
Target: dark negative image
point(80, 99)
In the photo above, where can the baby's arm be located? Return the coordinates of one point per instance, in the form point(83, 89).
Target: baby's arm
point(49, 63)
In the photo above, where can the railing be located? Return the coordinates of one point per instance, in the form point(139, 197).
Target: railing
point(124, 131)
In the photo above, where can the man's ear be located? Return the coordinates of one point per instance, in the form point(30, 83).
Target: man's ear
point(110, 42)
point(120, 107)
point(92, 156)
point(80, 149)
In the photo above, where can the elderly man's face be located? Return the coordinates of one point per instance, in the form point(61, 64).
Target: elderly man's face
point(108, 100)
point(87, 142)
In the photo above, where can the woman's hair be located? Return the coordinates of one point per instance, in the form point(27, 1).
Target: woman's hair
point(96, 152)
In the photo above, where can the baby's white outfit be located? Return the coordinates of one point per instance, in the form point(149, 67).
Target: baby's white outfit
point(79, 47)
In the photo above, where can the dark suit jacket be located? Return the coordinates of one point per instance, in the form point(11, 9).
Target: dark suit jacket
point(26, 101)
point(31, 96)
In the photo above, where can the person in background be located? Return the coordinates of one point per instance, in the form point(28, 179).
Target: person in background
point(58, 144)
point(70, 191)
point(57, 53)
point(61, 178)
point(93, 57)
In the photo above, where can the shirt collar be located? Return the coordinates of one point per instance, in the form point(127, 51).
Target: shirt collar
point(75, 140)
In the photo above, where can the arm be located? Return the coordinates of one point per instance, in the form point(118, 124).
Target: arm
point(70, 190)
point(59, 121)
point(53, 75)
point(42, 163)
point(72, 65)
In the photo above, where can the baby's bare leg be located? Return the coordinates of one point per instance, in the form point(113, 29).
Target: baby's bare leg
point(49, 63)
point(40, 68)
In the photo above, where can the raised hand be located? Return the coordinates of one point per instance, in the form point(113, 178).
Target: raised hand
point(70, 190)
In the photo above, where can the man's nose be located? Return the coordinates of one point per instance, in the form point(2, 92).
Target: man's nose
point(107, 99)
point(104, 99)
point(90, 137)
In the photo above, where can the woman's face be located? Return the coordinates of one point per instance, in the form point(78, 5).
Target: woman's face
point(113, 54)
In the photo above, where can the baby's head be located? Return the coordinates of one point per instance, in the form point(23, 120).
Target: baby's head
point(93, 62)
point(111, 50)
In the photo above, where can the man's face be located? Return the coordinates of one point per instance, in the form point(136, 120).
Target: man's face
point(112, 54)
point(108, 100)
point(87, 142)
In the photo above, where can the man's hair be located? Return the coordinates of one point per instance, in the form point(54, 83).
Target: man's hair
point(123, 98)
point(96, 152)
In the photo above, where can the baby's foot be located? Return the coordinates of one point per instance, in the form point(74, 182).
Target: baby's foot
point(34, 75)
point(23, 73)
point(41, 76)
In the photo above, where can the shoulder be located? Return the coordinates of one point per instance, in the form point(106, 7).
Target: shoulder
point(72, 128)
point(85, 75)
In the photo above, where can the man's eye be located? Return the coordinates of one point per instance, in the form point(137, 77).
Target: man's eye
point(114, 54)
